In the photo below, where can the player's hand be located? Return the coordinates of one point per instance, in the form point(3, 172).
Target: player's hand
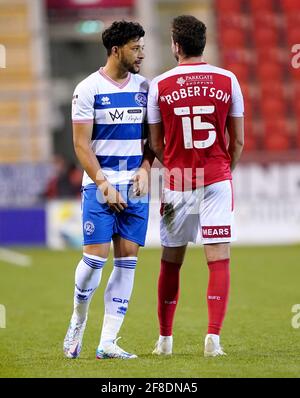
point(140, 182)
point(113, 198)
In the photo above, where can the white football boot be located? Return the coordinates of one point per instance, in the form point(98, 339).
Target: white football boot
point(113, 351)
point(212, 346)
point(73, 339)
point(163, 346)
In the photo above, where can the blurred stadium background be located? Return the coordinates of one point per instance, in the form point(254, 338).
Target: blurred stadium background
point(47, 47)
point(51, 45)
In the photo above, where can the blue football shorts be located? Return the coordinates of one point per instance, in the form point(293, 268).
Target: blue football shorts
point(100, 223)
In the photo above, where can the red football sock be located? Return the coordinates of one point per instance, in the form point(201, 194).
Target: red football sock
point(168, 293)
point(217, 294)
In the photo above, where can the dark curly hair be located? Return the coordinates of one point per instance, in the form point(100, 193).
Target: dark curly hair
point(190, 34)
point(120, 33)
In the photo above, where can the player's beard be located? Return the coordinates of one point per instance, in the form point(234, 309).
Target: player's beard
point(129, 66)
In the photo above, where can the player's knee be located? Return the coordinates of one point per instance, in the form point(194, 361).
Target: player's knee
point(216, 252)
point(99, 250)
point(173, 254)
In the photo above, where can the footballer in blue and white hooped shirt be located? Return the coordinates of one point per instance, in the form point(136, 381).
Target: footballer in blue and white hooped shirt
point(108, 114)
point(118, 113)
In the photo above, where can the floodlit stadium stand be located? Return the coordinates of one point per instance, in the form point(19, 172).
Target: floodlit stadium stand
point(24, 115)
point(255, 39)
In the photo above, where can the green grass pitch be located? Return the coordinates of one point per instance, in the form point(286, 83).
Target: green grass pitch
point(257, 334)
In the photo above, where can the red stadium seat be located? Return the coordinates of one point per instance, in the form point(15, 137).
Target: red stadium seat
point(293, 35)
point(296, 91)
point(295, 74)
point(269, 89)
point(290, 5)
point(248, 109)
point(271, 107)
point(276, 142)
point(238, 21)
point(269, 71)
point(240, 70)
point(262, 5)
point(298, 132)
point(250, 142)
point(246, 91)
point(276, 124)
point(265, 37)
point(276, 135)
point(251, 139)
point(236, 55)
point(292, 19)
point(228, 6)
point(297, 107)
point(231, 37)
point(249, 127)
point(265, 20)
point(272, 55)
point(298, 140)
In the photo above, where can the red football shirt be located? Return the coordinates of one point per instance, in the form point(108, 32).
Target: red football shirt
point(193, 101)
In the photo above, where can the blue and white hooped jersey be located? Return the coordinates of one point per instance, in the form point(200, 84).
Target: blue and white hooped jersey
point(118, 112)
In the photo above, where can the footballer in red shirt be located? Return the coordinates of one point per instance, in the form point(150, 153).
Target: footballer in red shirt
point(190, 107)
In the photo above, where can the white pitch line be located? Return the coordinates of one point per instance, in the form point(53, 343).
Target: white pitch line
point(12, 257)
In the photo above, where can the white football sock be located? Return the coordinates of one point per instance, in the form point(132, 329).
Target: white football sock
point(117, 295)
point(87, 278)
point(110, 329)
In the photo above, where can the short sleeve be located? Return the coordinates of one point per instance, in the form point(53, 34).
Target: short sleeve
point(153, 111)
point(83, 104)
point(237, 104)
